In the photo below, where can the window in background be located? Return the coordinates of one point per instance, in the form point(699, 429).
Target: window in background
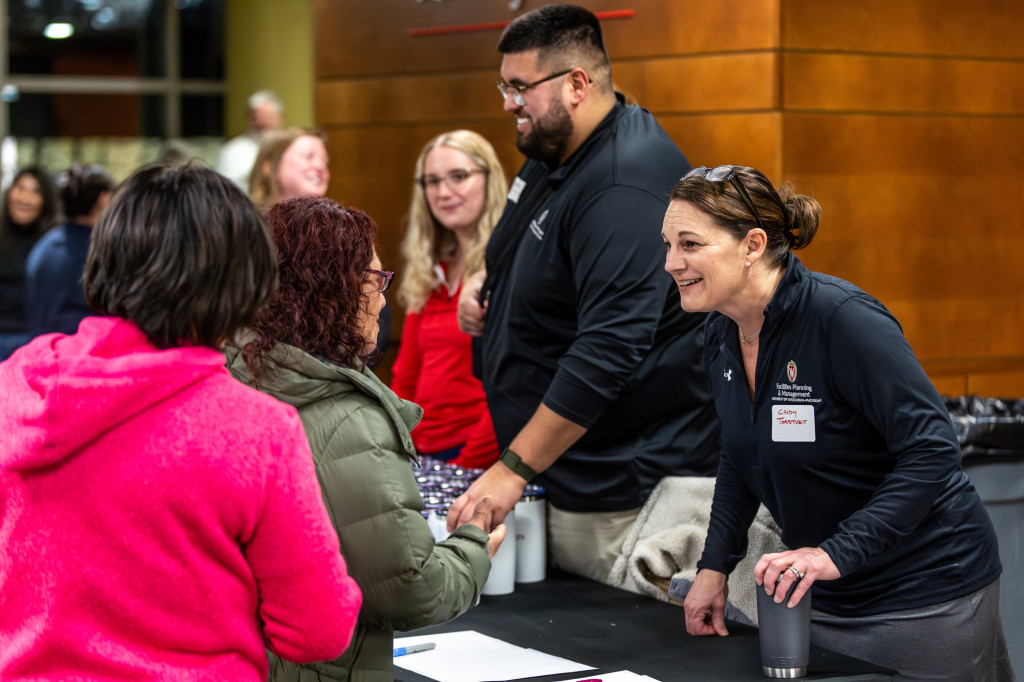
point(128, 75)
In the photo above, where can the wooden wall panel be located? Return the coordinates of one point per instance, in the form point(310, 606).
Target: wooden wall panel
point(850, 83)
point(467, 96)
point(355, 37)
point(939, 28)
point(905, 120)
point(999, 384)
point(743, 82)
point(705, 83)
point(748, 139)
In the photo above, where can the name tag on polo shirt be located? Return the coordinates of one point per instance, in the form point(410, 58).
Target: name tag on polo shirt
point(793, 423)
point(518, 185)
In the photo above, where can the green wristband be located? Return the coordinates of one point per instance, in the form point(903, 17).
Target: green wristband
point(517, 465)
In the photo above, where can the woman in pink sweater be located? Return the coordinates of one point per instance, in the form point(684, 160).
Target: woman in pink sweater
point(158, 519)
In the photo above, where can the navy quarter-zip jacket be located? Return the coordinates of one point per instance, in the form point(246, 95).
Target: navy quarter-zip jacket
point(849, 446)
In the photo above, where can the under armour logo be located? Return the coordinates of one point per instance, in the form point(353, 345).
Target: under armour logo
point(728, 375)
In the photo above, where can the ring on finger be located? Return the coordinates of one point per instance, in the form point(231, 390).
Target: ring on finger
point(797, 572)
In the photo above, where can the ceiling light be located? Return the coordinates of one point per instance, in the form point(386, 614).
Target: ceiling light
point(58, 31)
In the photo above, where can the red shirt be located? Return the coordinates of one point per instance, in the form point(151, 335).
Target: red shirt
point(434, 369)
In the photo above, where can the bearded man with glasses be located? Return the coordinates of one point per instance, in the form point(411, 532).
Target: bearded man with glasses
point(593, 374)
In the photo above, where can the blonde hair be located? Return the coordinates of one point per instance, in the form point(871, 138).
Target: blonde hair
point(273, 145)
point(425, 236)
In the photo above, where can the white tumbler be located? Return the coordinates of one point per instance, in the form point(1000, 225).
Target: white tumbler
point(502, 579)
point(531, 536)
point(438, 523)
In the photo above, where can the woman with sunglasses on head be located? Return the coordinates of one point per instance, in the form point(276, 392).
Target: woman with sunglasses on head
point(308, 348)
point(830, 422)
point(457, 199)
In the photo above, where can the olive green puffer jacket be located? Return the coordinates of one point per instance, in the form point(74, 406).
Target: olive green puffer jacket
point(358, 430)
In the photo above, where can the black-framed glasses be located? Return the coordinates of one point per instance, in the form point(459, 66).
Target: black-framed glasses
point(384, 278)
point(453, 178)
point(726, 174)
point(516, 91)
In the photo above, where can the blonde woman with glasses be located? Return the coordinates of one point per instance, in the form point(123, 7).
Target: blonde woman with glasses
point(457, 197)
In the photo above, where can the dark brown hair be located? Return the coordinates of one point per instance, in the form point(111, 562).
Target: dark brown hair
point(324, 251)
point(564, 35)
point(183, 253)
point(81, 187)
point(790, 219)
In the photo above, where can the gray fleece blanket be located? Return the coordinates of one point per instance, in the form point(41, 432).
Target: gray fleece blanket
point(659, 556)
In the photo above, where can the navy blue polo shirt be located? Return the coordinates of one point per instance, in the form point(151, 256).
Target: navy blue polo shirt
point(582, 317)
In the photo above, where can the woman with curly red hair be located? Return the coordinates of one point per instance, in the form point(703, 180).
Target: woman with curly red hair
point(308, 347)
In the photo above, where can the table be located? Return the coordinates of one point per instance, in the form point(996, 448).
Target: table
point(613, 629)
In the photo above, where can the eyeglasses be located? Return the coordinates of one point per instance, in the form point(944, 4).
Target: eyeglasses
point(723, 174)
point(384, 278)
point(453, 178)
point(516, 91)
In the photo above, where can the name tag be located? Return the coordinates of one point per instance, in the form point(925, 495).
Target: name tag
point(518, 185)
point(793, 423)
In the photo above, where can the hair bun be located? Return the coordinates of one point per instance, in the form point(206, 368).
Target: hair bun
point(803, 214)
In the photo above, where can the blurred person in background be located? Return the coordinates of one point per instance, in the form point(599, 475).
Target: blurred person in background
point(457, 199)
point(237, 156)
point(152, 507)
point(54, 297)
point(27, 212)
point(308, 348)
point(292, 162)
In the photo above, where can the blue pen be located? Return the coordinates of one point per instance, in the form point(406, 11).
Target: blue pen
point(414, 649)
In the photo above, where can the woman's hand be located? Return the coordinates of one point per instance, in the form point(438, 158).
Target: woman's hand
point(705, 604)
point(806, 564)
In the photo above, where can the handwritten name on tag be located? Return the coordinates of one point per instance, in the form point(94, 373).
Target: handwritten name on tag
point(793, 423)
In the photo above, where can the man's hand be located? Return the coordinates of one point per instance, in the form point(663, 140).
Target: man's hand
point(499, 484)
point(472, 315)
point(481, 518)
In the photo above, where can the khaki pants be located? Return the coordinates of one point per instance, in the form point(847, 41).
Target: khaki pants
point(588, 543)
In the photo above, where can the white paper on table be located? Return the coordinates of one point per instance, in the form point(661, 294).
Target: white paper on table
point(469, 656)
point(620, 676)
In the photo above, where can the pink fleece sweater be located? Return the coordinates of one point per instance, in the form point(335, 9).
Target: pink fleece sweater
point(158, 519)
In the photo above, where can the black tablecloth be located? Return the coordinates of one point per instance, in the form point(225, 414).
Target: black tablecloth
point(612, 629)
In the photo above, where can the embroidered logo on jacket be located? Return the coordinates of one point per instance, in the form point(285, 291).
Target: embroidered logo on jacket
point(727, 374)
point(791, 371)
point(535, 227)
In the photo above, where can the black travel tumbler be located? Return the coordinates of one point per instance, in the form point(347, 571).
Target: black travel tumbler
point(785, 634)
